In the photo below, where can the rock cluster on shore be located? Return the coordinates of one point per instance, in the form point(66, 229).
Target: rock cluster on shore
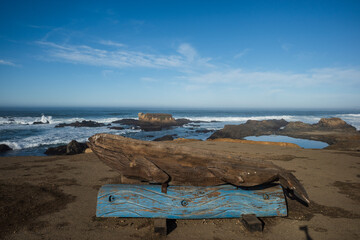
point(39, 123)
point(4, 148)
point(153, 121)
point(334, 131)
point(81, 124)
point(71, 148)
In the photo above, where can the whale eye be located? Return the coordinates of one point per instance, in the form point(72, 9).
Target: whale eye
point(240, 179)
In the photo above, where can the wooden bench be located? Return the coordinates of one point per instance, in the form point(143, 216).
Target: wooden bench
point(189, 202)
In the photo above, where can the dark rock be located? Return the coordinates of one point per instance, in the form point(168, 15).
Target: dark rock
point(75, 147)
point(250, 128)
point(204, 131)
point(60, 150)
point(37, 123)
point(117, 128)
point(182, 121)
point(81, 124)
point(71, 148)
point(4, 148)
point(127, 121)
point(149, 128)
point(194, 125)
point(165, 138)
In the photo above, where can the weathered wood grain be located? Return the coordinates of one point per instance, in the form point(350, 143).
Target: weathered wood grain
point(189, 202)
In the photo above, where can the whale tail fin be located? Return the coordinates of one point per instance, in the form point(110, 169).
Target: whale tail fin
point(289, 181)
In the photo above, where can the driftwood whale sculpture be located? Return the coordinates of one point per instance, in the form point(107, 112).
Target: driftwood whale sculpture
point(160, 162)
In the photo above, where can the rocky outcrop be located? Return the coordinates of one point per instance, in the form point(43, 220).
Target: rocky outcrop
point(153, 121)
point(37, 123)
point(81, 124)
point(71, 148)
point(334, 123)
point(250, 128)
point(334, 131)
point(165, 138)
point(4, 148)
point(156, 117)
point(116, 128)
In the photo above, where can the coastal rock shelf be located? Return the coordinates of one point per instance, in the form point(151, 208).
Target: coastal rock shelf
point(334, 131)
point(154, 121)
point(81, 124)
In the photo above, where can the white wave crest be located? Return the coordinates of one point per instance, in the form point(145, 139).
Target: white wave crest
point(25, 120)
point(46, 119)
point(309, 119)
point(12, 145)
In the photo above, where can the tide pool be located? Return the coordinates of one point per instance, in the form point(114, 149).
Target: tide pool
point(304, 143)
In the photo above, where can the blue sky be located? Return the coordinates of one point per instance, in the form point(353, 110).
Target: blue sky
point(237, 54)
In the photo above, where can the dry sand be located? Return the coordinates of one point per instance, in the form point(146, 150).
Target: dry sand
point(55, 198)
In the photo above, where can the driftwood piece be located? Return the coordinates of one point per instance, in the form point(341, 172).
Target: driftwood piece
point(159, 162)
point(189, 202)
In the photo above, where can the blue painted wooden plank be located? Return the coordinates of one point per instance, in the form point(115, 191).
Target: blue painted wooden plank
point(188, 202)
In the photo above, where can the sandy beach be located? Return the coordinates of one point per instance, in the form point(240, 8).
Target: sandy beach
point(55, 198)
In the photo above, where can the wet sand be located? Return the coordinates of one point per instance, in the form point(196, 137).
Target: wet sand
point(55, 198)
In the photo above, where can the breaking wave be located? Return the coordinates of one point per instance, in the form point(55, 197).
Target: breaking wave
point(308, 119)
point(26, 120)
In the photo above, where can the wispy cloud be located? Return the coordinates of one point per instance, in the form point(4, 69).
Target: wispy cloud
point(242, 53)
point(8, 63)
point(112, 43)
point(187, 51)
point(323, 76)
point(121, 58)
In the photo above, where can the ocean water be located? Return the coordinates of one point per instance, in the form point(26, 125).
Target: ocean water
point(17, 129)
